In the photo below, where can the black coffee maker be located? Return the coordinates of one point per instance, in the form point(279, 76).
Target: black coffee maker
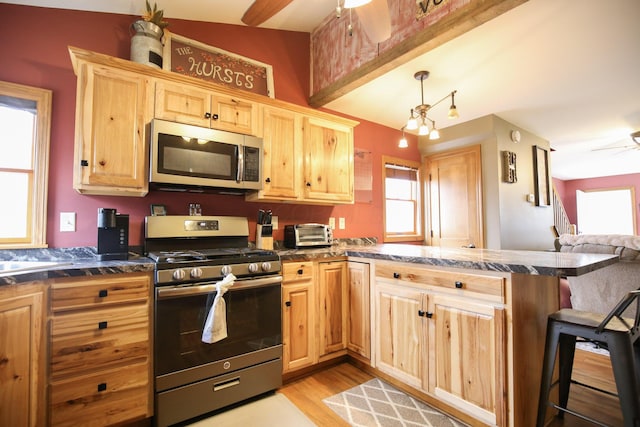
point(113, 235)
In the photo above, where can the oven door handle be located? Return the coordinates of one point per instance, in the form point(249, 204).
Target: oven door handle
point(180, 291)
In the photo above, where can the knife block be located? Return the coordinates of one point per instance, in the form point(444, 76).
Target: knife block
point(264, 236)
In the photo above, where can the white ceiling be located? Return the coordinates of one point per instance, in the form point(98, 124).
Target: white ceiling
point(567, 71)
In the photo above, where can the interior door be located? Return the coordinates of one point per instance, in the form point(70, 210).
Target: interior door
point(454, 198)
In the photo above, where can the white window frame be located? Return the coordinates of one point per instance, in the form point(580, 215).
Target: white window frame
point(37, 200)
point(417, 235)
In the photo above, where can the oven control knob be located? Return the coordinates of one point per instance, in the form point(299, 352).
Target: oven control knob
point(266, 266)
point(253, 268)
point(179, 274)
point(196, 273)
point(225, 270)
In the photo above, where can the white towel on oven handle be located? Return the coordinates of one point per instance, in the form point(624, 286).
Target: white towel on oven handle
point(215, 328)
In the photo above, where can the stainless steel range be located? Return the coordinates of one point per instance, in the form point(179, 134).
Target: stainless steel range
point(194, 376)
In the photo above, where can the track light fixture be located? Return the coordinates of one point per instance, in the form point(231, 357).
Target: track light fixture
point(418, 118)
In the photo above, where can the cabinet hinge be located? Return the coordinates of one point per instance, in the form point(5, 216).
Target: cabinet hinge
point(431, 232)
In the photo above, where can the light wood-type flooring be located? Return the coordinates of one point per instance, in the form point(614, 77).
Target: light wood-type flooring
point(307, 393)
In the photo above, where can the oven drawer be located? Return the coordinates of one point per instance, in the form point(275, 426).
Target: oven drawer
point(106, 290)
point(84, 340)
point(105, 397)
point(295, 271)
point(214, 393)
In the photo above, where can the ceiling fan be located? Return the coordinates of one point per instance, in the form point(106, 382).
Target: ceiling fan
point(635, 138)
point(373, 14)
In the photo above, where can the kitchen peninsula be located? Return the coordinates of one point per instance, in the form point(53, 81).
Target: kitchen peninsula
point(462, 328)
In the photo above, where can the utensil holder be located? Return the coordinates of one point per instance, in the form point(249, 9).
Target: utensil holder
point(264, 236)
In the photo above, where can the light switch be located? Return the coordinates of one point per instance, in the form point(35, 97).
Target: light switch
point(332, 223)
point(341, 224)
point(274, 222)
point(67, 221)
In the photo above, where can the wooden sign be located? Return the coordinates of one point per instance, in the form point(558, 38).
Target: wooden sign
point(195, 59)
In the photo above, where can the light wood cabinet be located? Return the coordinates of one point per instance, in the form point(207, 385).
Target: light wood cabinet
point(200, 107)
point(282, 161)
point(298, 316)
point(100, 355)
point(443, 332)
point(112, 110)
point(307, 159)
point(328, 161)
point(22, 351)
point(332, 312)
point(358, 318)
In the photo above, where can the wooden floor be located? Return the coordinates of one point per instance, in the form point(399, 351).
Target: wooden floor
point(307, 393)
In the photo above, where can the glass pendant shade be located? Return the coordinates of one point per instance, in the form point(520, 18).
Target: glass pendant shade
point(434, 134)
point(403, 143)
point(453, 112)
point(348, 4)
point(424, 129)
point(412, 124)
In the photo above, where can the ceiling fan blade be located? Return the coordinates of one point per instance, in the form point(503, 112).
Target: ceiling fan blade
point(375, 20)
point(261, 10)
point(620, 147)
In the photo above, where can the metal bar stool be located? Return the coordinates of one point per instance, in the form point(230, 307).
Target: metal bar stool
point(612, 331)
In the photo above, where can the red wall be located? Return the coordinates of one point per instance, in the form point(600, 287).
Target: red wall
point(567, 191)
point(34, 52)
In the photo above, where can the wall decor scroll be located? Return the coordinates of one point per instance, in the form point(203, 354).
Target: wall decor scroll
point(509, 167)
point(192, 58)
point(541, 176)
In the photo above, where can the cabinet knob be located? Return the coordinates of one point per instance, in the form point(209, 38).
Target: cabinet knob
point(102, 386)
point(459, 284)
point(300, 271)
point(396, 275)
point(420, 313)
point(215, 117)
point(268, 180)
point(308, 184)
point(427, 314)
point(288, 303)
point(102, 325)
point(103, 293)
point(207, 115)
point(84, 163)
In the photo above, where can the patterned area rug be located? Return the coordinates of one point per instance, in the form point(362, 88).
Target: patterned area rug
point(376, 403)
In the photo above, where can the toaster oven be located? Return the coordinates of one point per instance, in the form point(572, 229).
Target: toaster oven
point(307, 236)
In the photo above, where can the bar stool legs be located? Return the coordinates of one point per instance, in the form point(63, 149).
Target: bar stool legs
point(563, 327)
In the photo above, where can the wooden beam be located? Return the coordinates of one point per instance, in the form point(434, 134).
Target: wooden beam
point(472, 15)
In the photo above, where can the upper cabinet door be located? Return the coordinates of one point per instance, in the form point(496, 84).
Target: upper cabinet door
point(112, 110)
point(328, 166)
point(193, 106)
point(184, 104)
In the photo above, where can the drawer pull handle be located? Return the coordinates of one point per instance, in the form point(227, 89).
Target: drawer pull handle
point(459, 285)
point(102, 325)
point(396, 275)
point(300, 271)
point(103, 293)
point(288, 303)
point(226, 384)
point(102, 386)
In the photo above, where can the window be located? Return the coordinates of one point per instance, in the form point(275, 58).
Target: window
point(606, 211)
point(402, 194)
point(25, 118)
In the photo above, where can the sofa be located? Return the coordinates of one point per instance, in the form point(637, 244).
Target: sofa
point(600, 290)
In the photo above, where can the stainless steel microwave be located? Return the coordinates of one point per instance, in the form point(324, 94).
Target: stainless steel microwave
point(193, 158)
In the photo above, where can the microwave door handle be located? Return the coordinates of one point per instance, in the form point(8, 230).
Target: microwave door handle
point(240, 157)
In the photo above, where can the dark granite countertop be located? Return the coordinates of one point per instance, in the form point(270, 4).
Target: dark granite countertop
point(508, 261)
point(76, 262)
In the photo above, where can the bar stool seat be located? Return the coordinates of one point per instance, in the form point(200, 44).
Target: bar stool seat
point(620, 335)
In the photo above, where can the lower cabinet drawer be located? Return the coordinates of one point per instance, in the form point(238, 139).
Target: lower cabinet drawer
point(107, 338)
point(103, 398)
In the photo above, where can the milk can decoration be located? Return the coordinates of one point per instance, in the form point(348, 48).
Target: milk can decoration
point(146, 44)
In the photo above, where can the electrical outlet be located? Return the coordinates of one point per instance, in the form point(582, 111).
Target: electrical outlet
point(341, 224)
point(67, 221)
point(332, 223)
point(274, 222)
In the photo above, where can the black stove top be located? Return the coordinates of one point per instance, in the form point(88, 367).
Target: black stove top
point(216, 256)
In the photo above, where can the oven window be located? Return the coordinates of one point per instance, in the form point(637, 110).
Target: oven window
point(192, 157)
point(253, 323)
